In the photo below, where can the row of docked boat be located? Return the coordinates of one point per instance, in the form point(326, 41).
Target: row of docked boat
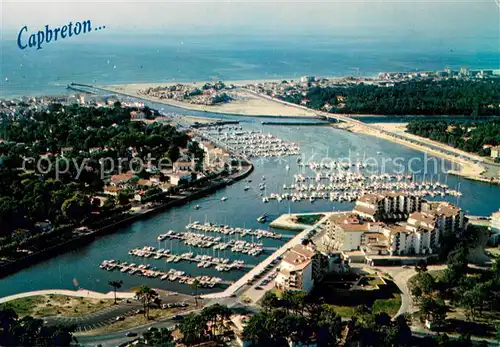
point(373, 187)
point(352, 194)
point(216, 243)
point(332, 165)
point(204, 261)
point(349, 176)
point(151, 272)
point(255, 144)
point(228, 230)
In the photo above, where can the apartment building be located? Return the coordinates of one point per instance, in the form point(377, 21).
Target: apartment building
point(296, 270)
point(387, 206)
point(302, 266)
point(394, 224)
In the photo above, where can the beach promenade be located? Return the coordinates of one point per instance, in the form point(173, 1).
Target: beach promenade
point(82, 293)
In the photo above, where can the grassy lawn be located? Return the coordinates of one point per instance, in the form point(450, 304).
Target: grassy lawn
point(277, 291)
point(437, 274)
point(389, 306)
point(344, 311)
point(309, 219)
point(54, 305)
point(133, 321)
point(371, 281)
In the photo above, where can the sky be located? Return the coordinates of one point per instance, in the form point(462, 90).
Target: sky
point(445, 18)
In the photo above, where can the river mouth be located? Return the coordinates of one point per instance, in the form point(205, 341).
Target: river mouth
point(80, 268)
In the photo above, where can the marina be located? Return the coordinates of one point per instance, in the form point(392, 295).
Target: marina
point(216, 243)
point(337, 183)
point(171, 275)
point(252, 143)
point(204, 261)
point(228, 230)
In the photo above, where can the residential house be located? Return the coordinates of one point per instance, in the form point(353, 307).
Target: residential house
point(121, 179)
point(183, 166)
point(176, 177)
point(495, 152)
point(112, 190)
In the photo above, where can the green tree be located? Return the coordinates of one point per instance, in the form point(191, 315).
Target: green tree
point(173, 153)
point(146, 295)
point(160, 338)
point(193, 329)
point(116, 284)
point(269, 301)
point(123, 198)
point(195, 285)
point(422, 285)
point(28, 331)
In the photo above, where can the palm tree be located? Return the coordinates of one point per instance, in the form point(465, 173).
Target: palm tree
point(117, 284)
point(146, 295)
point(195, 286)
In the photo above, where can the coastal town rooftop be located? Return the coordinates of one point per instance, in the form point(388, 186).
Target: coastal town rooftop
point(299, 256)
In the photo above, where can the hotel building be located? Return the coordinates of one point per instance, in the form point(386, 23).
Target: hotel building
point(393, 224)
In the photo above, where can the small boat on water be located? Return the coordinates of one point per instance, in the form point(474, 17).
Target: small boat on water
point(246, 188)
point(196, 207)
point(262, 219)
point(223, 198)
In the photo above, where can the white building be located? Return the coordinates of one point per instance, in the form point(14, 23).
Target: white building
point(387, 206)
point(302, 267)
point(495, 228)
point(176, 177)
point(495, 152)
point(393, 224)
point(296, 270)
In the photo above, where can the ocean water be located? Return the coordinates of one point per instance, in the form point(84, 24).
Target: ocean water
point(199, 58)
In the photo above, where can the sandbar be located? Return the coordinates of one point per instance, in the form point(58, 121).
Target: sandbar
point(244, 103)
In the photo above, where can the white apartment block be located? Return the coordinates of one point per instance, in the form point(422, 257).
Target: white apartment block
point(392, 224)
point(387, 206)
point(302, 267)
point(296, 270)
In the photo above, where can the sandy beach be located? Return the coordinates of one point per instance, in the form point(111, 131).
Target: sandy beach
point(244, 103)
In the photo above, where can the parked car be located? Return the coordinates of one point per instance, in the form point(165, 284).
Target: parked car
point(178, 317)
point(119, 318)
point(131, 334)
point(152, 329)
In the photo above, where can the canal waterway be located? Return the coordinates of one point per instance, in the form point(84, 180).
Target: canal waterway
point(80, 268)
